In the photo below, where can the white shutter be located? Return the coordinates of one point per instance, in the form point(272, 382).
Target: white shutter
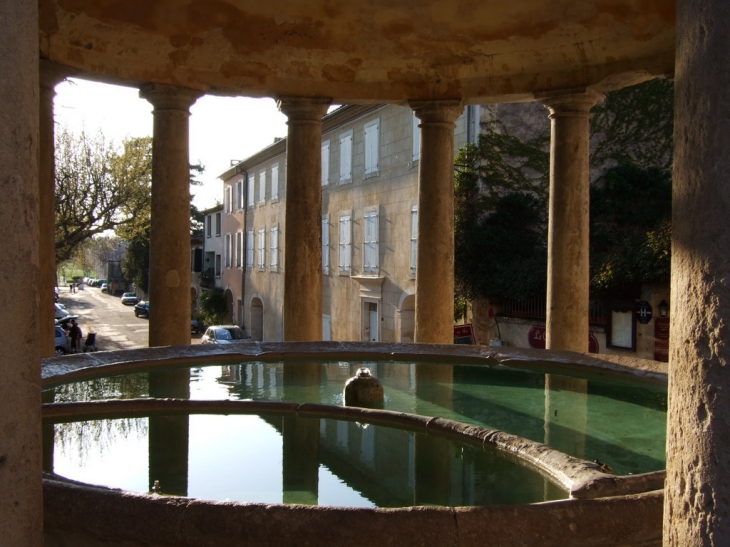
point(325, 163)
point(249, 198)
point(346, 157)
point(325, 244)
point(262, 186)
point(370, 243)
point(345, 246)
point(275, 182)
point(262, 248)
point(414, 238)
point(416, 138)
point(274, 259)
point(372, 138)
point(249, 248)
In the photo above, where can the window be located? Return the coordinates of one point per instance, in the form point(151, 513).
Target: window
point(228, 200)
point(414, 238)
point(217, 265)
point(325, 163)
point(249, 249)
point(249, 192)
point(262, 186)
point(275, 182)
point(274, 258)
point(345, 231)
point(346, 157)
point(227, 251)
point(262, 249)
point(239, 249)
point(325, 244)
point(218, 224)
point(209, 225)
point(372, 147)
point(416, 138)
point(370, 242)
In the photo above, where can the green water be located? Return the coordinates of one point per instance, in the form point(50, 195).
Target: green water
point(618, 422)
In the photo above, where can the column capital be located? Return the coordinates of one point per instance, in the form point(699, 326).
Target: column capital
point(437, 111)
point(168, 97)
point(571, 102)
point(51, 74)
point(303, 109)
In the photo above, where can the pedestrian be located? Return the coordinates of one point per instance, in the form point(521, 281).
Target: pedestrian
point(76, 336)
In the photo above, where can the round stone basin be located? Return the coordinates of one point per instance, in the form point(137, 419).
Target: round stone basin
point(441, 440)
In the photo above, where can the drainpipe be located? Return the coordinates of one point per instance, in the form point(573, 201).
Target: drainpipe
point(244, 251)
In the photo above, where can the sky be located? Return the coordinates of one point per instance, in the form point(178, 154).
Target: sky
point(222, 129)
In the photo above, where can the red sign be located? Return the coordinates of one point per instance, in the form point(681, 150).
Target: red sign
point(536, 339)
point(464, 334)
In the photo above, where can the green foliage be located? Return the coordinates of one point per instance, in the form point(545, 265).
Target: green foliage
point(630, 228)
point(501, 196)
point(213, 307)
point(634, 126)
point(136, 263)
point(499, 241)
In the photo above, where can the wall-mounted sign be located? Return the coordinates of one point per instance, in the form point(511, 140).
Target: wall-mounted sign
point(536, 339)
point(464, 334)
point(644, 312)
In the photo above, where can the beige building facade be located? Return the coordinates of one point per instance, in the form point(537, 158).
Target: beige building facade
point(370, 158)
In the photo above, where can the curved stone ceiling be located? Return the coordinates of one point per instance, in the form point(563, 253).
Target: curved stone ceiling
point(364, 50)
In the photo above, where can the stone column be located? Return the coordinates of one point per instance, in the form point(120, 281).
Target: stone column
point(698, 433)
point(169, 283)
point(434, 318)
point(50, 76)
point(21, 502)
point(303, 224)
point(568, 231)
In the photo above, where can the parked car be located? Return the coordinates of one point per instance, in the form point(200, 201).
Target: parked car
point(99, 282)
point(65, 322)
point(55, 294)
point(195, 326)
point(142, 308)
point(104, 287)
point(63, 346)
point(224, 334)
point(129, 298)
point(60, 312)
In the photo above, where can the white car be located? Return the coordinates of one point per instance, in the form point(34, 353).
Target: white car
point(104, 287)
point(129, 298)
point(60, 312)
point(224, 334)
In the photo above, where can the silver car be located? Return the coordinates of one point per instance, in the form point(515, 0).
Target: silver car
point(63, 346)
point(224, 334)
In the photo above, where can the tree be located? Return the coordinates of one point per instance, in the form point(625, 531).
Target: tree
point(136, 264)
point(98, 188)
point(630, 229)
point(501, 195)
point(501, 188)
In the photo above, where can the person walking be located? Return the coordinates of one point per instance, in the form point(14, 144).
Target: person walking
point(75, 334)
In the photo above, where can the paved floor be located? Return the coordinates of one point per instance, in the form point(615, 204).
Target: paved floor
point(115, 324)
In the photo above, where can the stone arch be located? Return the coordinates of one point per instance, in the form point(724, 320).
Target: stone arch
point(256, 324)
point(406, 317)
point(228, 295)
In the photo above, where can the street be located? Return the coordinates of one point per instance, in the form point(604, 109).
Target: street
point(115, 325)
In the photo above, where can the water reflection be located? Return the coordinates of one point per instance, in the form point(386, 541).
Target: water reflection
point(612, 420)
point(168, 435)
point(355, 465)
